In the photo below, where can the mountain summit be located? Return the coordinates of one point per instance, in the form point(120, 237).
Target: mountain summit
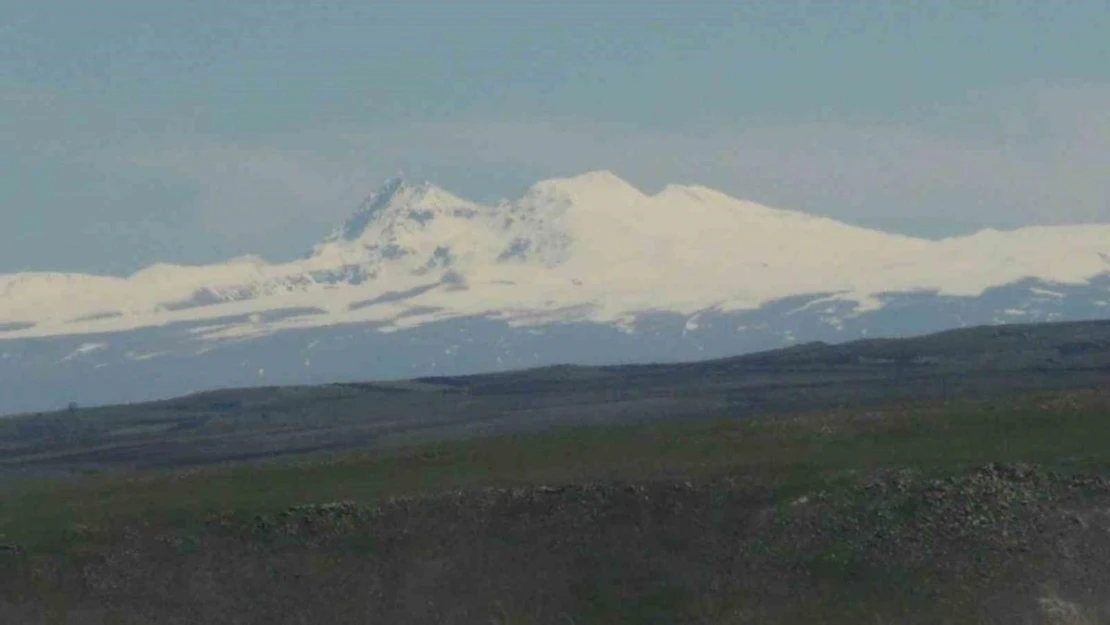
point(396, 196)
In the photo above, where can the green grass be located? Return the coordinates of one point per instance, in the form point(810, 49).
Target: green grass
point(800, 519)
point(1067, 430)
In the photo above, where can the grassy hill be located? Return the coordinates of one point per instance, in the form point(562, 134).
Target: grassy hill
point(267, 423)
point(957, 478)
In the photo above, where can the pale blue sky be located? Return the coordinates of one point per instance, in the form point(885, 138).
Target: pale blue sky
point(191, 131)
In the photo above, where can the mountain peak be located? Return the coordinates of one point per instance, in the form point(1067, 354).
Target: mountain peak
point(394, 194)
point(598, 177)
point(385, 195)
point(592, 183)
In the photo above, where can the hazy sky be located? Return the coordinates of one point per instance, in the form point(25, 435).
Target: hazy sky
point(196, 130)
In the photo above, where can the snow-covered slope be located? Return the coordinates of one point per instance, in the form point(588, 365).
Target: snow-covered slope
point(584, 270)
point(587, 248)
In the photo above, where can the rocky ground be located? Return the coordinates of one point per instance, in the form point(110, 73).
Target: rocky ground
point(998, 544)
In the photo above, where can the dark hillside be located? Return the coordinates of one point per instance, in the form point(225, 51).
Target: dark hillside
point(266, 423)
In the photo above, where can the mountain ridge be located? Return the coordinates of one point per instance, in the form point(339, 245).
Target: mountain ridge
point(592, 246)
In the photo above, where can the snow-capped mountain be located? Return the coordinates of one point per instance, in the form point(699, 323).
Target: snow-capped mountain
point(589, 255)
